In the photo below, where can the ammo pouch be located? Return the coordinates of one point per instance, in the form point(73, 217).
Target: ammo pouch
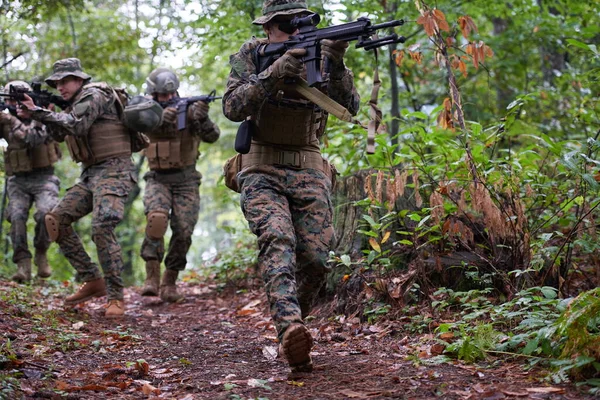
point(26, 159)
point(230, 171)
point(18, 161)
point(289, 126)
point(79, 149)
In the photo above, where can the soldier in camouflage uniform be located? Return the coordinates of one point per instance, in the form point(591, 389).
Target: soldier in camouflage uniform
point(172, 184)
point(96, 137)
point(29, 161)
point(284, 182)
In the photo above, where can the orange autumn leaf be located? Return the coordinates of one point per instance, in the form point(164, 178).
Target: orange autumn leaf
point(433, 21)
point(398, 56)
point(375, 245)
point(416, 56)
point(428, 23)
point(440, 19)
point(444, 119)
point(478, 51)
point(466, 26)
point(386, 236)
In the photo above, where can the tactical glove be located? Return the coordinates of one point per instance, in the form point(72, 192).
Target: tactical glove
point(288, 65)
point(170, 115)
point(334, 50)
point(198, 111)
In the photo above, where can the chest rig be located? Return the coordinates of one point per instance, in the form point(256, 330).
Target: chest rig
point(288, 130)
point(171, 148)
point(107, 138)
point(21, 158)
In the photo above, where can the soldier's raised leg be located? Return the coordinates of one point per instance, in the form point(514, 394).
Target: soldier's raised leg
point(46, 198)
point(77, 203)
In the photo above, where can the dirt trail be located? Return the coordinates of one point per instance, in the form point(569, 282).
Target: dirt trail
point(214, 346)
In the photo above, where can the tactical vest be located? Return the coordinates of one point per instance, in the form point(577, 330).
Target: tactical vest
point(107, 138)
point(172, 149)
point(289, 129)
point(20, 158)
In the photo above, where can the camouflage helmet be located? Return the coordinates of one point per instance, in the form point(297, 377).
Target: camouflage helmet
point(142, 114)
point(66, 67)
point(17, 84)
point(273, 8)
point(162, 80)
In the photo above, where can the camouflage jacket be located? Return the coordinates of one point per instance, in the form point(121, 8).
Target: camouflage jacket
point(20, 133)
point(87, 105)
point(246, 93)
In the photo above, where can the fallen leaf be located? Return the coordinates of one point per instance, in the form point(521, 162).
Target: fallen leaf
point(270, 352)
point(545, 390)
point(148, 389)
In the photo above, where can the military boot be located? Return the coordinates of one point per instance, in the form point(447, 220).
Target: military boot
point(295, 346)
point(152, 278)
point(43, 268)
point(95, 288)
point(114, 308)
point(23, 274)
point(168, 286)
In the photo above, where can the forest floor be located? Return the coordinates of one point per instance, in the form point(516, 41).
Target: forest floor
point(221, 345)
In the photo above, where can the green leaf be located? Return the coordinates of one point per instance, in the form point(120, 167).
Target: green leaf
point(549, 292)
point(579, 44)
point(346, 260)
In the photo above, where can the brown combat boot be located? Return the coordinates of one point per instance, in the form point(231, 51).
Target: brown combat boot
point(295, 347)
point(23, 274)
point(43, 268)
point(95, 288)
point(152, 278)
point(168, 287)
point(114, 308)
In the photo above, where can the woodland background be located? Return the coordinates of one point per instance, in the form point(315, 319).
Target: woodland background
point(481, 198)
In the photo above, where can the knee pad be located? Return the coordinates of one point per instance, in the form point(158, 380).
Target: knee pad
point(52, 226)
point(157, 224)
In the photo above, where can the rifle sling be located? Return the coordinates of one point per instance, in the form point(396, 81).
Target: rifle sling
point(375, 114)
point(335, 108)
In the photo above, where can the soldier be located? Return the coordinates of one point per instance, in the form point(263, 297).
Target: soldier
point(172, 184)
point(96, 137)
point(29, 161)
point(284, 182)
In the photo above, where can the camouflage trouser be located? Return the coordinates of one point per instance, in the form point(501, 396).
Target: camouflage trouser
point(23, 190)
point(291, 214)
point(182, 198)
point(104, 196)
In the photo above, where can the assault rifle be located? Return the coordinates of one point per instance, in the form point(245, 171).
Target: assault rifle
point(41, 98)
point(309, 38)
point(182, 104)
point(11, 109)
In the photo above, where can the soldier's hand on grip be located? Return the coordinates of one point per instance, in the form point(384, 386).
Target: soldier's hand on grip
point(288, 65)
point(170, 115)
point(198, 111)
point(334, 50)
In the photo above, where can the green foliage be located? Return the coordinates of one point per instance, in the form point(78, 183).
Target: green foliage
point(238, 259)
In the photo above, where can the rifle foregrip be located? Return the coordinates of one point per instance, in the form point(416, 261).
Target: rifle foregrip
point(243, 138)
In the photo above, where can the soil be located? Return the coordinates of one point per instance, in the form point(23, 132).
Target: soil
point(222, 345)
